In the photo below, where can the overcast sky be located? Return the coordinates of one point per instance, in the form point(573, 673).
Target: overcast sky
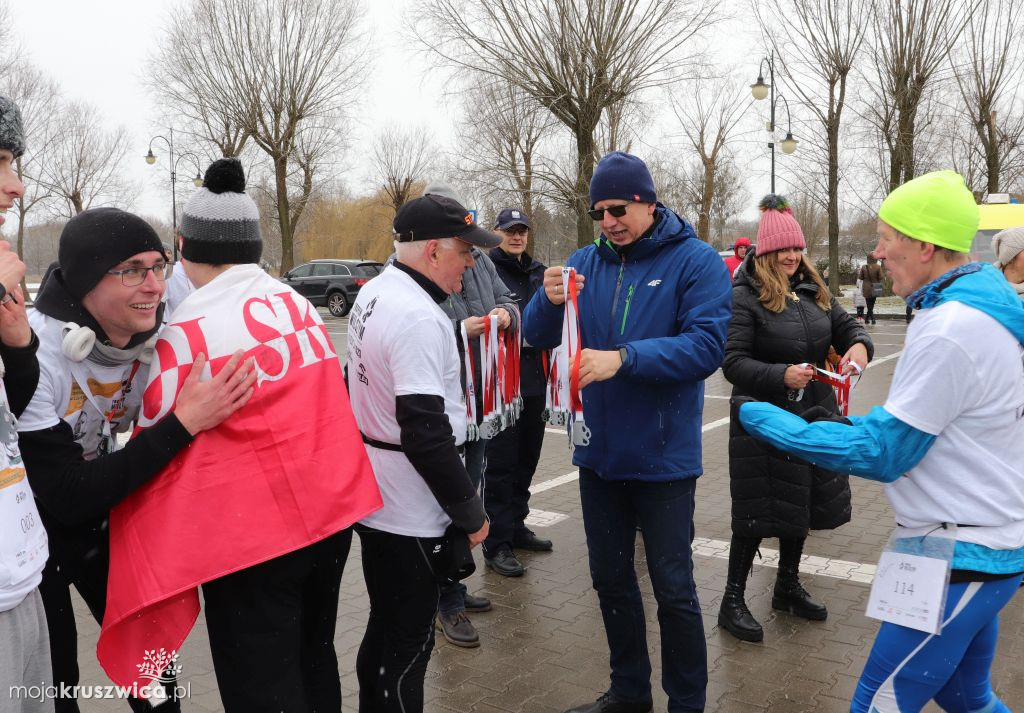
point(97, 52)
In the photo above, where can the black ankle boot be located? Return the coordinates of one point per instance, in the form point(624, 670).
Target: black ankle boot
point(733, 615)
point(789, 595)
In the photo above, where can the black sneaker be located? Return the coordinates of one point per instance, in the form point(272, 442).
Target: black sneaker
point(526, 539)
point(458, 630)
point(608, 703)
point(505, 563)
point(477, 604)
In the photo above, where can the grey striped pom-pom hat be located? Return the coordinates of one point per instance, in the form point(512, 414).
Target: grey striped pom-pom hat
point(221, 224)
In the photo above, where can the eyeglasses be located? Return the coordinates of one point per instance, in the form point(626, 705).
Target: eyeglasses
point(135, 276)
point(616, 211)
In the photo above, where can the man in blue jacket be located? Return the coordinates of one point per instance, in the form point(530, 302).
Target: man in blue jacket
point(653, 322)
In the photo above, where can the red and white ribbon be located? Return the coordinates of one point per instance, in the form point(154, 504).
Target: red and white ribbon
point(472, 432)
point(564, 403)
point(841, 384)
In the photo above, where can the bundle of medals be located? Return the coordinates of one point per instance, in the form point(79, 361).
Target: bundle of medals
point(499, 380)
point(564, 405)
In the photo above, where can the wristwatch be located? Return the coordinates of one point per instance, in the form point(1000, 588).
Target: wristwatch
point(623, 354)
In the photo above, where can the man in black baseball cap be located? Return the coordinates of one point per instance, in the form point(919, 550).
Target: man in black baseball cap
point(433, 217)
point(405, 386)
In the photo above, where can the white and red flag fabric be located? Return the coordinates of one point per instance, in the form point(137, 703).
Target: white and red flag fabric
point(286, 470)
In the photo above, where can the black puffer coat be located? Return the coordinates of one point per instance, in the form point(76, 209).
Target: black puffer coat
point(775, 494)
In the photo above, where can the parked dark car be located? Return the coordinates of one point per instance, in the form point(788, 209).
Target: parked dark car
point(333, 284)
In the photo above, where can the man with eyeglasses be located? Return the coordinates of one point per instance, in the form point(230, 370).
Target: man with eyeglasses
point(95, 319)
point(653, 321)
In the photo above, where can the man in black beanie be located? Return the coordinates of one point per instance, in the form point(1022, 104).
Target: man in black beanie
point(271, 493)
point(94, 319)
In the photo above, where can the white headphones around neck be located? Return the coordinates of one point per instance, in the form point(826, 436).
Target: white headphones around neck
point(76, 342)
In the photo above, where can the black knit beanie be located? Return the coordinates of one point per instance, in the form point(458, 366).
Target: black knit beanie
point(96, 240)
point(12, 131)
point(221, 224)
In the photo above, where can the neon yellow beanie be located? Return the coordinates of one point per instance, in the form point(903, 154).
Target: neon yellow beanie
point(935, 208)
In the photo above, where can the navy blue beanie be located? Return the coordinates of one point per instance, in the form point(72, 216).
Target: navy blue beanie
point(622, 176)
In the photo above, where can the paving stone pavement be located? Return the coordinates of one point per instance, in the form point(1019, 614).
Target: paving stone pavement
point(543, 646)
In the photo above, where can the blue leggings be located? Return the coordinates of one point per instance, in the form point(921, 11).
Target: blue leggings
point(907, 668)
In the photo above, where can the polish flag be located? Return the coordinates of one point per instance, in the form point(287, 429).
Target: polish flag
point(285, 471)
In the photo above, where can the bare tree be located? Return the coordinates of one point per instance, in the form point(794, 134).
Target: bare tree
point(987, 80)
point(37, 95)
point(910, 42)
point(401, 159)
point(730, 198)
point(709, 116)
point(269, 69)
point(83, 168)
point(8, 50)
point(505, 132)
point(575, 57)
point(820, 41)
point(620, 124)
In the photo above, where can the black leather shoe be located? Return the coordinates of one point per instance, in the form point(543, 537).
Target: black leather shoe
point(505, 563)
point(608, 703)
point(526, 539)
point(477, 604)
point(458, 630)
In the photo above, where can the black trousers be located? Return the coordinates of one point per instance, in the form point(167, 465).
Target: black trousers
point(871, 307)
point(512, 459)
point(399, 634)
point(87, 574)
point(271, 631)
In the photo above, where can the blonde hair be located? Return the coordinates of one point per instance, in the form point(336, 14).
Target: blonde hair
point(775, 283)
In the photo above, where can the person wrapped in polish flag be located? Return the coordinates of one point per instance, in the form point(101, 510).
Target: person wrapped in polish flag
point(256, 511)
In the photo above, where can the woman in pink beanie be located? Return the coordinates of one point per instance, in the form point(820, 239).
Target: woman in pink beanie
point(784, 321)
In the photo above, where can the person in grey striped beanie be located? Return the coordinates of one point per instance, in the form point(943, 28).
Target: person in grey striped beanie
point(221, 224)
point(1008, 245)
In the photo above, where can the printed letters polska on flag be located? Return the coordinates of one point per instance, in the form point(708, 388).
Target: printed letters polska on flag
point(286, 470)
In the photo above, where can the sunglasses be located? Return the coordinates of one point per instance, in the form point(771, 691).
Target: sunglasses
point(616, 211)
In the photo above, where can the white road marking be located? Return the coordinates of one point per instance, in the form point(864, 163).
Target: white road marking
point(714, 424)
point(809, 564)
point(543, 518)
point(554, 482)
point(894, 355)
point(719, 549)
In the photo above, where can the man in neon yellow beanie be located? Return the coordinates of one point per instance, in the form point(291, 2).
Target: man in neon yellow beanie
point(948, 443)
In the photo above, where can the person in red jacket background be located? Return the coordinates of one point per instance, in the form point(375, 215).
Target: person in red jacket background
point(739, 250)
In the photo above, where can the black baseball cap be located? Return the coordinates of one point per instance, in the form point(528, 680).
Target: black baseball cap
point(435, 217)
point(509, 217)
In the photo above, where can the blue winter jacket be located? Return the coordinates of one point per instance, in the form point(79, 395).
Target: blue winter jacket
point(668, 302)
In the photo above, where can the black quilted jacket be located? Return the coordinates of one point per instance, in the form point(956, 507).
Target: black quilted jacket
point(774, 494)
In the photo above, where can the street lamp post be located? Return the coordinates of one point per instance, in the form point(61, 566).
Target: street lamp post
point(759, 90)
point(173, 163)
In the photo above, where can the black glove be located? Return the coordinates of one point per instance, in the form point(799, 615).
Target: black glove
point(820, 413)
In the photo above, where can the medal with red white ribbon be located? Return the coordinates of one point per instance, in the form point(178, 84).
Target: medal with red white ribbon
point(841, 384)
point(565, 405)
